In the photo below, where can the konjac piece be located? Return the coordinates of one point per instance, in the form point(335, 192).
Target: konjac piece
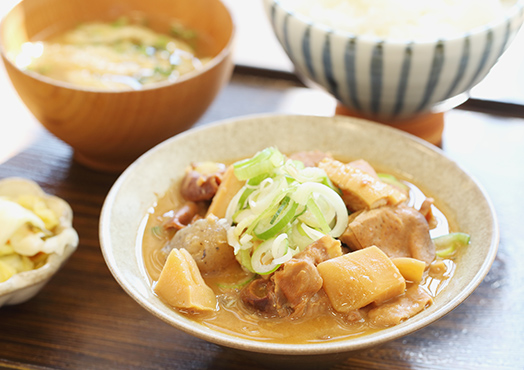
point(181, 285)
point(400, 231)
point(206, 241)
point(360, 190)
point(357, 279)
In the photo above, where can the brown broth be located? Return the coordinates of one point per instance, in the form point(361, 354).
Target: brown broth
point(235, 319)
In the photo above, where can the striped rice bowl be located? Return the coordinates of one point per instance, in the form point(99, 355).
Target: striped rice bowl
point(391, 79)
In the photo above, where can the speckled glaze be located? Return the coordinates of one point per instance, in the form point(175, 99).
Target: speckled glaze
point(391, 79)
point(25, 285)
point(153, 173)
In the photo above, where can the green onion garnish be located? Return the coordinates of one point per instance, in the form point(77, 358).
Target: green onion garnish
point(392, 180)
point(447, 244)
point(282, 208)
point(157, 231)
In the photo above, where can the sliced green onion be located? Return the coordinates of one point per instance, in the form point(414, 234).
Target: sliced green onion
point(304, 191)
point(263, 162)
point(262, 261)
point(247, 192)
point(282, 208)
point(298, 237)
point(392, 180)
point(317, 213)
point(280, 246)
point(254, 181)
point(446, 245)
point(238, 285)
point(267, 228)
point(313, 234)
point(157, 231)
point(244, 258)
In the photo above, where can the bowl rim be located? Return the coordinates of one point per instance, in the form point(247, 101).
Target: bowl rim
point(344, 345)
point(216, 60)
point(513, 11)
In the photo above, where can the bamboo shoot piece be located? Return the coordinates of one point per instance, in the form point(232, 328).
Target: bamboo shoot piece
point(181, 285)
point(411, 268)
point(228, 188)
point(357, 279)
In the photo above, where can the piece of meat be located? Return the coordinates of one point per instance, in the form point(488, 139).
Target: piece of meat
point(286, 293)
point(297, 281)
point(401, 308)
point(201, 181)
point(363, 165)
point(321, 250)
point(261, 296)
point(310, 158)
point(227, 190)
point(360, 190)
point(206, 241)
point(182, 217)
point(400, 231)
point(427, 212)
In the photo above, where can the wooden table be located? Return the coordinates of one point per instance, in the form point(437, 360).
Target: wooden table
point(83, 319)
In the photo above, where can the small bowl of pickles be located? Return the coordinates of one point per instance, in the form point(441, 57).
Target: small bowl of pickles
point(36, 238)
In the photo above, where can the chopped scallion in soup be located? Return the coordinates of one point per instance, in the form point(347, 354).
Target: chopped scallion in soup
point(121, 55)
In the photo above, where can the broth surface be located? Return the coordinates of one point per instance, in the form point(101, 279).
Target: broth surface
point(122, 55)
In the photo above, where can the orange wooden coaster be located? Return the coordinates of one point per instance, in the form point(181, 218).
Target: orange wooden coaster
point(428, 126)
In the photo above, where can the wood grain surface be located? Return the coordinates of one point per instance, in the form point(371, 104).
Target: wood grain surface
point(83, 319)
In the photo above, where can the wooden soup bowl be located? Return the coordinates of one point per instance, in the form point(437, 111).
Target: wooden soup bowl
point(110, 129)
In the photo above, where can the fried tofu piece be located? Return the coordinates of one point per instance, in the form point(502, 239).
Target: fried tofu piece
point(400, 231)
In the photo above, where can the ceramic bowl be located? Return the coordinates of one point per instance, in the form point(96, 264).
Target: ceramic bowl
point(136, 190)
point(25, 285)
point(386, 79)
point(108, 130)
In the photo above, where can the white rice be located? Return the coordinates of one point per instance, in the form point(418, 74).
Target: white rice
point(401, 19)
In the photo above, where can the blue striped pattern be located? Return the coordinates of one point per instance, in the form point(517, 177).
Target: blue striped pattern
point(403, 82)
point(434, 75)
point(306, 49)
point(455, 64)
point(287, 44)
point(328, 67)
point(484, 57)
point(351, 77)
point(464, 60)
point(377, 70)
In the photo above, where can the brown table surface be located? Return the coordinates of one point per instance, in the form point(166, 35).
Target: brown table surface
point(83, 319)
